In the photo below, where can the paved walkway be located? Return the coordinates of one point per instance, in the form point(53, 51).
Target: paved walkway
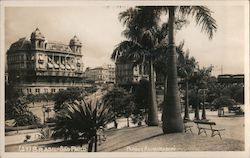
point(151, 139)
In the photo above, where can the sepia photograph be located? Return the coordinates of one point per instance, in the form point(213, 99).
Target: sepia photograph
point(124, 79)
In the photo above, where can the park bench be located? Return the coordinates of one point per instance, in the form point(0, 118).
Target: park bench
point(206, 125)
point(187, 127)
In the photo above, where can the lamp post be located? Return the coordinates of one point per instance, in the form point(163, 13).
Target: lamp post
point(203, 106)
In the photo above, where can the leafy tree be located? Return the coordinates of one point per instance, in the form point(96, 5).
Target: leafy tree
point(17, 109)
point(121, 102)
point(69, 94)
point(223, 101)
point(10, 92)
point(239, 95)
point(172, 121)
point(141, 95)
point(216, 89)
point(82, 120)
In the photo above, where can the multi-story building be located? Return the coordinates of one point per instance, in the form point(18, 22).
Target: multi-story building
point(102, 74)
point(37, 66)
point(111, 73)
point(98, 74)
point(129, 73)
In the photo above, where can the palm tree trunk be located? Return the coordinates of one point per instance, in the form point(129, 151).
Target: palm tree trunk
point(203, 107)
point(172, 120)
point(196, 114)
point(142, 66)
point(90, 145)
point(186, 116)
point(152, 113)
point(95, 143)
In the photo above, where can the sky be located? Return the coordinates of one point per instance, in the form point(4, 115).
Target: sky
point(99, 30)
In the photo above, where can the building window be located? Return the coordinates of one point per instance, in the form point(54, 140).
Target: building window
point(29, 90)
point(53, 90)
point(45, 90)
point(37, 90)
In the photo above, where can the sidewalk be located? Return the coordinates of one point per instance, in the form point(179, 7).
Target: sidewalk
point(151, 139)
point(146, 138)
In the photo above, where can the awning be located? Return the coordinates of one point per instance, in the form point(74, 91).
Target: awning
point(41, 58)
point(68, 67)
point(50, 66)
point(56, 66)
point(41, 66)
point(49, 59)
point(72, 67)
point(62, 66)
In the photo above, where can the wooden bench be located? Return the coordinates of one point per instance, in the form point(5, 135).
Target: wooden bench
point(187, 127)
point(205, 125)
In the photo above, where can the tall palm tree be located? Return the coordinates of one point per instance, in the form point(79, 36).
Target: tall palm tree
point(146, 40)
point(172, 121)
point(199, 81)
point(186, 69)
point(144, 37)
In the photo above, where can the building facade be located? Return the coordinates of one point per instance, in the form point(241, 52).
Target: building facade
point(128, 73)
point(102, 74)
point(229, 78)
point(37, 66)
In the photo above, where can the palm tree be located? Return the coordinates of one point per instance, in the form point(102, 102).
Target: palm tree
point(186, 69)
point(82, 120)
point(172, 121)
point(200, 79)
point(146, 41)
point(144, 37)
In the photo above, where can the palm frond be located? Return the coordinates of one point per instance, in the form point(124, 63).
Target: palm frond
point(81, 119)
point(202, 16)
point(127, 16)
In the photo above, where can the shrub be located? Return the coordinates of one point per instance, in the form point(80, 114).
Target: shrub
point(82, 120)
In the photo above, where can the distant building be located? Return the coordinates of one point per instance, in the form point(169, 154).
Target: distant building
point(128, 73)
point(229, 78)
point(98, 74)
point(111, 73)
point(102, 74)
point(37, 66)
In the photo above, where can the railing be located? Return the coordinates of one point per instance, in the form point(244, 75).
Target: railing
point(9, 129)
